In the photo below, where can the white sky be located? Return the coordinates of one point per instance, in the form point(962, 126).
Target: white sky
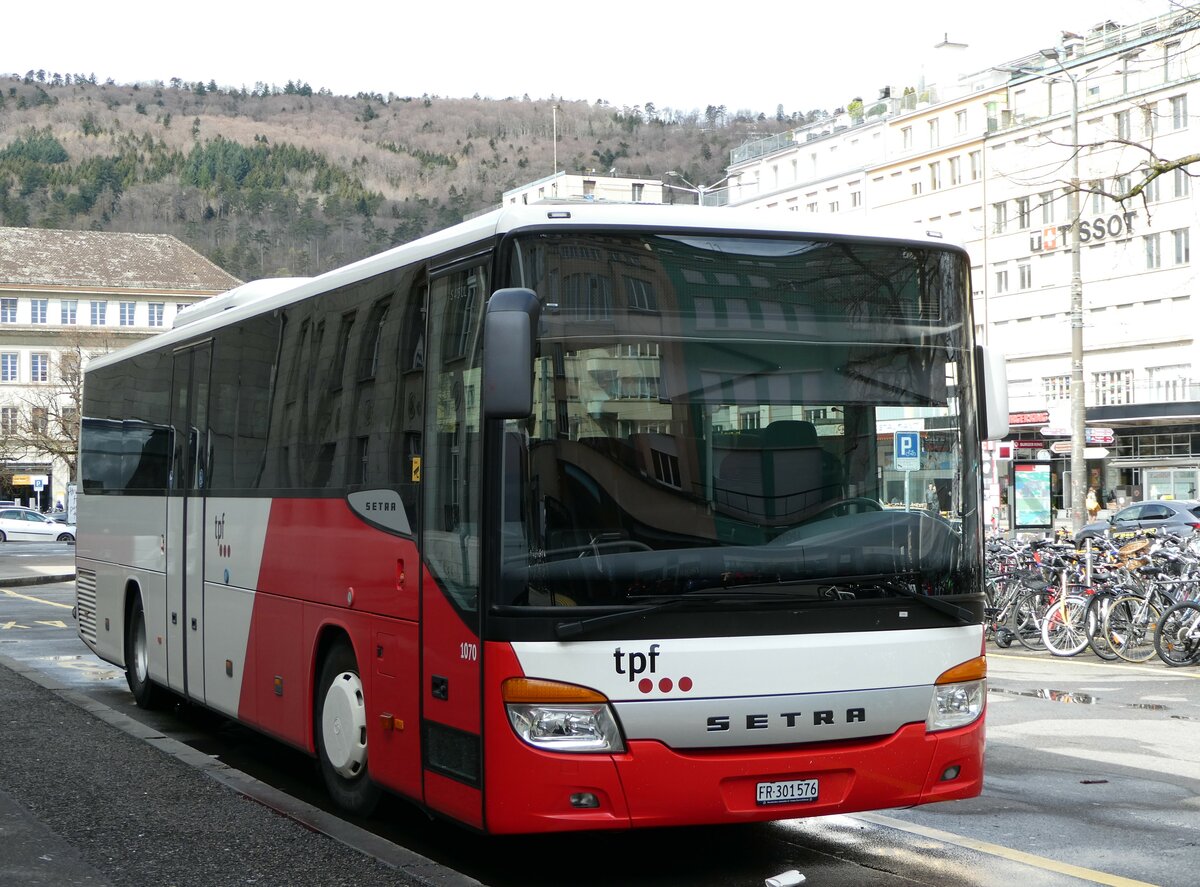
point(803, 54)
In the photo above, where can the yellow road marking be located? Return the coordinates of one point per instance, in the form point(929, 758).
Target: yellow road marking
point(36, 600)
point(1004, 852)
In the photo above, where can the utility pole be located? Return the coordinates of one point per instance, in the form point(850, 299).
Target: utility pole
point(1078, 413)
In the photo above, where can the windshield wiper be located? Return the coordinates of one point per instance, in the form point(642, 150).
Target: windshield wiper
point(961, 614)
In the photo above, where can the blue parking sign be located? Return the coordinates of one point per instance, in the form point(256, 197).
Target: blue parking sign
point(907, 450)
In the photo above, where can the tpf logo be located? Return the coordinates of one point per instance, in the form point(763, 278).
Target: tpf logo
point(638, 663)
point(223, 548)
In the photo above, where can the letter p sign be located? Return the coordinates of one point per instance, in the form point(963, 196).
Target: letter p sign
point(907, 451)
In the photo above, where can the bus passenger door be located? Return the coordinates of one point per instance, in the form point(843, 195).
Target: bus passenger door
point(451, 727)
point(185, 521)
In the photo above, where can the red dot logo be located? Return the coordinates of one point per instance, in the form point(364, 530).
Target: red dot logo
point(685, 684)
point(665, 685)
point(645, 685)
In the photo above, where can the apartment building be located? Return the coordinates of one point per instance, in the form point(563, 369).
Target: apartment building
point(988, 160)
point(66, 296)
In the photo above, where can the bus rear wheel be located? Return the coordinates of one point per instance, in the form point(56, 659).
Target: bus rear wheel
point(137, 660)
point(341, 733)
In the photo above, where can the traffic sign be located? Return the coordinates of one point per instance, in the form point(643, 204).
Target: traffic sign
point(906, 450)
point(1098, 435)
point(1063, 447)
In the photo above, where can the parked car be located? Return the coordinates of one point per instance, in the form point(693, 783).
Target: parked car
point(1180, 516)
point(18, 523)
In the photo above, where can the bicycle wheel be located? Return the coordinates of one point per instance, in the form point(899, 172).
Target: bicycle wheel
point(1129, 627)
point(1025, 620)
point(1098, 608)
point(1064, 628)
point(1177, 639)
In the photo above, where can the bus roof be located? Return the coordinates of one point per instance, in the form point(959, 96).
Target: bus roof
point(258, 296)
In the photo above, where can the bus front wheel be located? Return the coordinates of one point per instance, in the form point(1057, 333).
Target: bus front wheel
point(137, 660)
point(341, 732)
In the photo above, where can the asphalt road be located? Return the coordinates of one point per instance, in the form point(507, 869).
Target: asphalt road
point(1093, 777)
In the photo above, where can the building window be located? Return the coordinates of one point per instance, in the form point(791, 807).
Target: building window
point(856, 198)
point(155, 313)
point(906, 137)
point(639, 191)
point(8, 366)
point(955, 171)
point(933, 133)
point(1023, 218)
point(1153, 251)
point(1002, 281)
point(1047, 198)
point(1183, 183)
point(99, 313)
point(39, 367)
point(833, 206)
point(1150, 191)
point(999, 217)
point(976, 158)
point(1113, 387)
point(1025, 275)
point(1097, 197)
point(8, 421)
point(960, 122)
point(640, 294)
point(37, 310)
point(1179, 112)
point(128, 310)
point(1149, 118)
point(935, 176)
point(1122, 125)
point(8, 310)
point(1056, 387)
point(67, 310)
point(39, 420)
point(812, 207)
point(1183, 251)
point(1172, 62)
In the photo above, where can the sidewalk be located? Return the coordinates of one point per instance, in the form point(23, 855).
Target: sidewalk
point(89, 796)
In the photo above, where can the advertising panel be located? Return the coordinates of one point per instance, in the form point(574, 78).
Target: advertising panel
point(1031, 496)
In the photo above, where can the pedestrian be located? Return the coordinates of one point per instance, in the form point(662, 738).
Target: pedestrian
point(1092, 503)
point(931, 497)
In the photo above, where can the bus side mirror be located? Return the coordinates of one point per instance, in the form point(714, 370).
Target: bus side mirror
point(993, 393)
point(509, 336)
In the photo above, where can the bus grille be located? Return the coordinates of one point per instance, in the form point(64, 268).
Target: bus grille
point(85, 604)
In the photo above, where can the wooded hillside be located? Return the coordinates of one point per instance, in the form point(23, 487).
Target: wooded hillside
point(288, 181)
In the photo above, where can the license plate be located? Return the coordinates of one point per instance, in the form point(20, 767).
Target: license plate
point(793, 791)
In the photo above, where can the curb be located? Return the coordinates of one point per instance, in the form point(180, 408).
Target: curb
point(38, 580)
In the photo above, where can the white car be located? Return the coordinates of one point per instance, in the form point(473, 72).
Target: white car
point(25, 524)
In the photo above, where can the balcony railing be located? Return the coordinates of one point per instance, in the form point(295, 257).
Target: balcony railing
point(1149, 391)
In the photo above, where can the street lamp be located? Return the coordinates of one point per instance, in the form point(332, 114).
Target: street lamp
point(698, 190)
point(1078, 442)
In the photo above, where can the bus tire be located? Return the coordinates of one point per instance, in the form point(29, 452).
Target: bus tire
point(137, 659)
point(341, 732)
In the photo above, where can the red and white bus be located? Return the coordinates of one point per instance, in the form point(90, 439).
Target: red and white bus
point(572, 516)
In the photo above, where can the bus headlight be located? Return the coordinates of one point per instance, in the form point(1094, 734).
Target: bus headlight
point(958, 696)
point(561, 717)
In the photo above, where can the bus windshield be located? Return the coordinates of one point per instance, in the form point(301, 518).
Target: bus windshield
point(761, 416)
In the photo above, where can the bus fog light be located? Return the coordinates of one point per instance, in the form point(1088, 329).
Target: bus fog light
point(955, 705)
point(573, 728)
point(951, 773)
point(584, 800)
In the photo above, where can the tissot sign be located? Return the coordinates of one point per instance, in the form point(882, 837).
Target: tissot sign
point(1100, 228)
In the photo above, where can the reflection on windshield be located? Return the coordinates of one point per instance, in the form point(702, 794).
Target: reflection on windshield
point(710, 414)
